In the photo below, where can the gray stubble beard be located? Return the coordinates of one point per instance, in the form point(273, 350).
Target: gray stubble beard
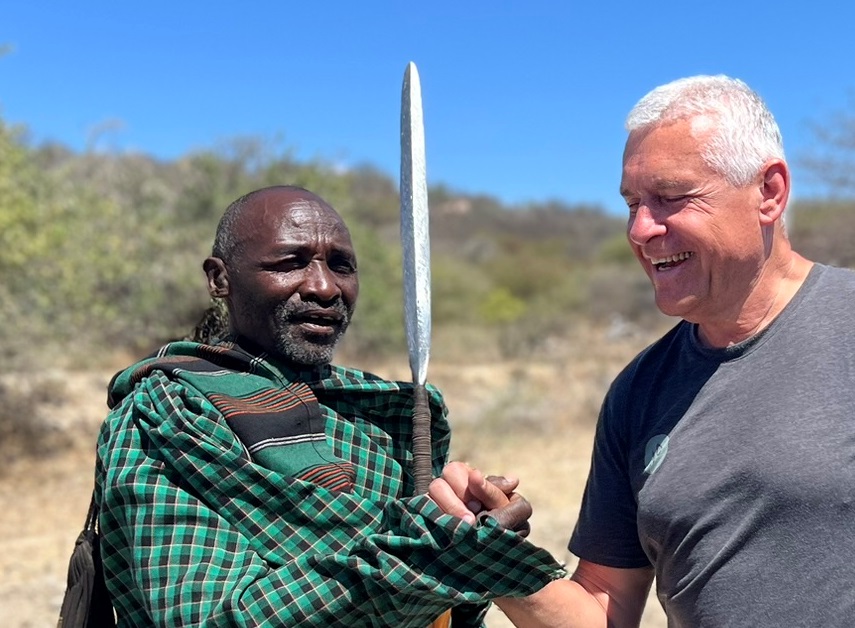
point(297, 348)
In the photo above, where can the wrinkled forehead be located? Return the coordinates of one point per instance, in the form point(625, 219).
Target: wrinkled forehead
point(666, 156)
point(275, 215)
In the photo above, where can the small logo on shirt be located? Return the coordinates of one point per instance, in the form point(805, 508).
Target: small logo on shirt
point(654, 453)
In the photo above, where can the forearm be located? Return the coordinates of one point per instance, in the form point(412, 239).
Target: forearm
point(595, 596)
point(560, 604)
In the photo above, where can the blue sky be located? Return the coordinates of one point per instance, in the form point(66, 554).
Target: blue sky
point(524, 101)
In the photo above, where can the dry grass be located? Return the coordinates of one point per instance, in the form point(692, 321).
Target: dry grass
point(529, 418)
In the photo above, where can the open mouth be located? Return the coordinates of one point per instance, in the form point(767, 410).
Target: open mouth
point(664, 263)
point(319, 322)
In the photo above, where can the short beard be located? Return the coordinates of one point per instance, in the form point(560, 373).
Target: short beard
point(294, 345)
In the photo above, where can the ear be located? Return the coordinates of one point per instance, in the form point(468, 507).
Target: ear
point(775, 191)
point(218, 277)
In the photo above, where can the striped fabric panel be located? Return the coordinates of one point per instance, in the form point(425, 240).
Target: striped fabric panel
point(331, 476)
point(284, 441)
point(267, 400)
point(274, 423)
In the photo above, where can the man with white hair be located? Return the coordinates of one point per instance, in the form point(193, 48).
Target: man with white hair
point(724, 457)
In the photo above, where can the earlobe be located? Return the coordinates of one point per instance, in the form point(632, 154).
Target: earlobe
point(775, 190)
point(218, 277)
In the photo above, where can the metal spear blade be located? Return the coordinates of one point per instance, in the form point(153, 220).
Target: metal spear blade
point(415, 227)
point(415, 242)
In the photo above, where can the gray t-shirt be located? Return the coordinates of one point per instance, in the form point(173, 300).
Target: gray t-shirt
point(732, 471)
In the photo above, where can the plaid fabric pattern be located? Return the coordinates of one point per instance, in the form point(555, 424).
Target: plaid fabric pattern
point(278, 421)
point(198, 532)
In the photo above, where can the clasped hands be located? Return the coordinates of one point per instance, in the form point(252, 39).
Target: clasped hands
point(470, 495)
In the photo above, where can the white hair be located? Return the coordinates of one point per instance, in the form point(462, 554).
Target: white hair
point(746, 134)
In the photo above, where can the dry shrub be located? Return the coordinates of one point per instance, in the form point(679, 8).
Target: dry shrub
point(29, 424)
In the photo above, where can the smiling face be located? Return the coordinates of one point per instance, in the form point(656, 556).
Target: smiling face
point(292, 283)
point(696, 235)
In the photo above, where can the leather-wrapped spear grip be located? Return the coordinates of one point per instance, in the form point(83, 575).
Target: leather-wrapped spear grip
point(415, 243)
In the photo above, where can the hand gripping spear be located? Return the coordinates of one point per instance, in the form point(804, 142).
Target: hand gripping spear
point(415, 243)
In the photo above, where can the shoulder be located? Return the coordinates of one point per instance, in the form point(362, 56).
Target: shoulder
point(155, 393)
point(134, 413)
point(828, 291)
point(652, 358)
point(180, 357)
point(835, 276)
point(638, 388)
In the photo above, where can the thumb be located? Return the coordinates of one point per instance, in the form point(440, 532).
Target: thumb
point(490, 495)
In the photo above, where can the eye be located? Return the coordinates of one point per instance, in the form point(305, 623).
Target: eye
point(632, 204)
point(343, 265)
point(286, 264)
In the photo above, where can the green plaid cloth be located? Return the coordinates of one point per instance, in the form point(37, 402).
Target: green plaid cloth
point(196, 531)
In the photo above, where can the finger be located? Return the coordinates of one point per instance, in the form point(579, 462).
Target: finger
point(490, 495)
point(460, 477)
point(514, 516)
point(521, 523)
point(443, 494)
point(457, 475)
point(507, 484)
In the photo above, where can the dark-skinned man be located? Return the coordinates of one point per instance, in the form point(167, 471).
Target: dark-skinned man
point(253, 483)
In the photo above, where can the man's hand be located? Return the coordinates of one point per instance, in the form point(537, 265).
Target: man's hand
point(513, 516)
point(466, 493)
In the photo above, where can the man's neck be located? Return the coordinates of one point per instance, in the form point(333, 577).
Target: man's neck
point(773, 292)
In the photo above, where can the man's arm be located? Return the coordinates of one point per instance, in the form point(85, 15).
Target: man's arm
point(595, 596)
point(195, 534)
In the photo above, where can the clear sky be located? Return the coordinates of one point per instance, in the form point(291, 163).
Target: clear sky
point(524, 100)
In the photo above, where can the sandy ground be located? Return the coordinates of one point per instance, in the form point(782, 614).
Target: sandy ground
point(532, 420)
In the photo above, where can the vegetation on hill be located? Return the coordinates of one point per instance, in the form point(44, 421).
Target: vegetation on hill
point(102, 251)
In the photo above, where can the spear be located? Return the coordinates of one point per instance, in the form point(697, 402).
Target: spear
point(415, 241)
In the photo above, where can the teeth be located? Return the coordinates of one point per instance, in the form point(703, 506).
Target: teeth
point(321, 320)
point(679, 257)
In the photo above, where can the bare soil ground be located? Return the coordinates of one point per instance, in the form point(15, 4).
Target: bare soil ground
point(533, 419)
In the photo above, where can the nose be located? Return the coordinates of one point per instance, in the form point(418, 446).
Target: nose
point(320, 282)
point(643, 226)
